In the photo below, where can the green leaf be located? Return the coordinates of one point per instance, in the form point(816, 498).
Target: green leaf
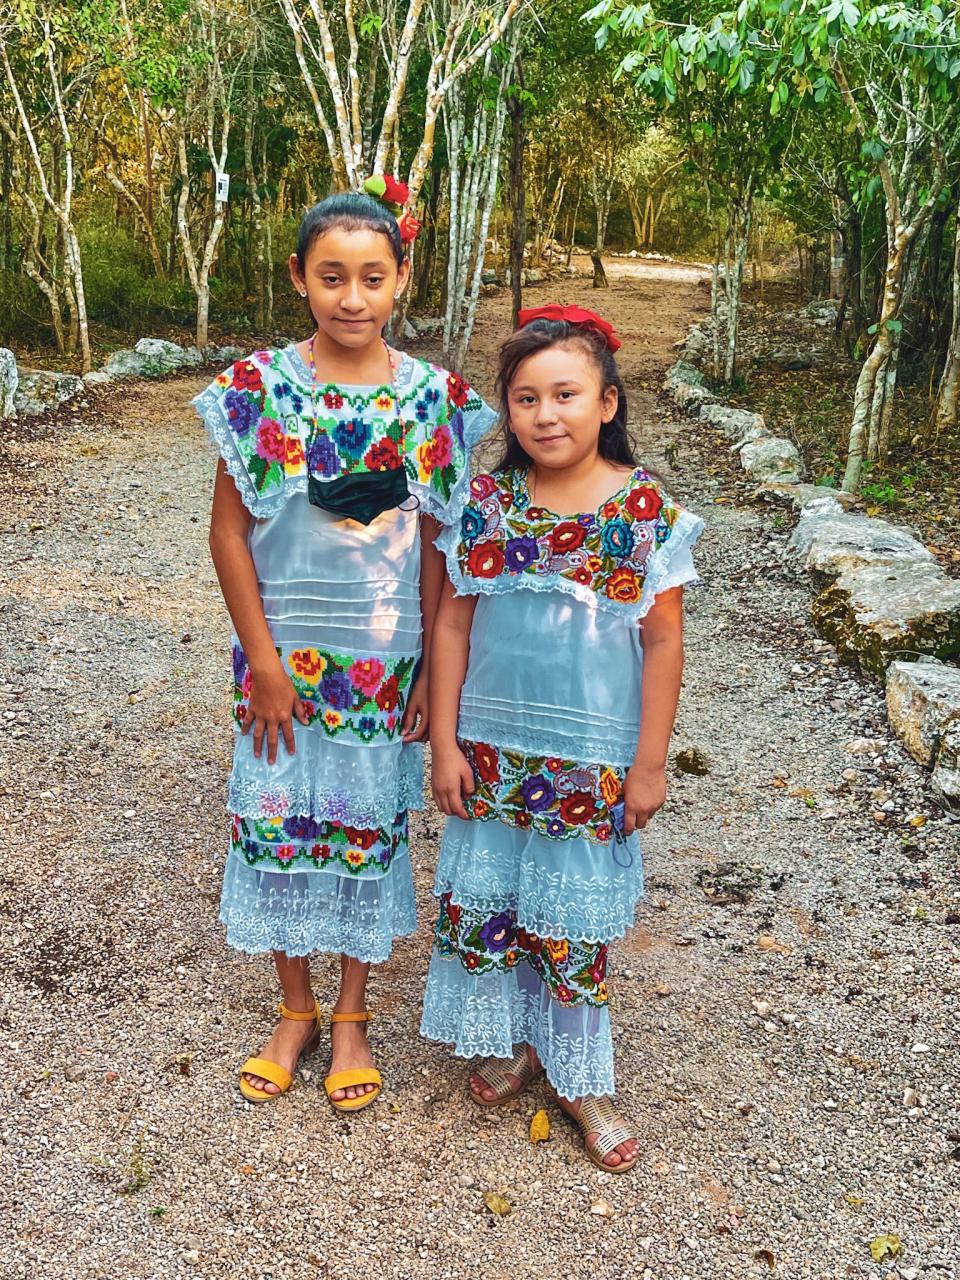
point(894, 326)
point(885, 1246)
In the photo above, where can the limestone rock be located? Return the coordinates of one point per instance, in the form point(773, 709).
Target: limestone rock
point(9, 381)
point(152, 358)
point(833, 542)
point(689, 397)
point(734, 423)
point(749, 436)
point(923, 699)
point(223, 355)
point(43, 389)
point(772, 458)
point(800, 496)
point(683, 371)
point(875, 613)
point(946, 772)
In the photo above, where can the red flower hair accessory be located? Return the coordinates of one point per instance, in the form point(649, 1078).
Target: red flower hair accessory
point(394, 194)
point(573, 315)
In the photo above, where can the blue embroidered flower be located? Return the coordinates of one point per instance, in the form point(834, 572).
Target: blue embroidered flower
point(555, 828)
point(352, 436)
point(367, 726)
point(472, 524)
point(422, 410)
point(431, 395)
point(281, 390)
point(538, 793)
point(239, 664)
point(616, 538)
point(498, 932)
point(296, 401)
point(336, 691)
point(663, 532)
point(242, 410)
point(302, 827)
point(322, 457)
point(520, 552)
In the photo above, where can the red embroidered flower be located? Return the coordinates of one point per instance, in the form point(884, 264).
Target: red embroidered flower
point(554, 765)
point(529, 942)
point(333, 400)
point(321, 852)
point(610, 510)
point(453, 911)
point(457, 390)
point(567, 537)
point(271, 441)
point(604, 832)
point(534, 513)
point(361, 838)
point(644, 502)
point(486, 762)
point(623, 585)
point(246, 376)
point(388, 695)
point(521, 819)
point(598, 970)
point(564, 995)
point(482, 486)
point(485, 560)
point(583, 575)
point(578, 808)
point(382, 456)
point(471, 959)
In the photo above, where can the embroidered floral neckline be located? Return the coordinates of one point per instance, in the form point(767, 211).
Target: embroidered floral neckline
point(522, 500)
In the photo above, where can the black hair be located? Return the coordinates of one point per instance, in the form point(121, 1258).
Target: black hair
point(614, 444)
point(350, 210)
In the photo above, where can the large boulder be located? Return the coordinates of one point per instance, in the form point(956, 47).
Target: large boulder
point(833, 542)
point(43, 389)
point(689, 396)
point(946, 771)
point(771, 458)
point(9, 381)
point(151, 358)
point(800, 496)
point(734, 423)
point(223, 355)
point(875, 613)
point(923, 699)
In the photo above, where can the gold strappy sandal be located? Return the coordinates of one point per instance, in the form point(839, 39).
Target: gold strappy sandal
point(494, 1074)
point(600, 1116)
point(272, 1071)
point(355, 1075)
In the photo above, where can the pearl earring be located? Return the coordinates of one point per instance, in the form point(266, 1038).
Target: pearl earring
point(303, 293)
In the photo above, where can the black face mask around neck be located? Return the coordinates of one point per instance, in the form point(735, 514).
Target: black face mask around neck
point(362, 496)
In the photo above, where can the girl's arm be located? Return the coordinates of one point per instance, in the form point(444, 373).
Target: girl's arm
point(661, 631)
point(452, 776)
point(416, 717)
point(273, 699)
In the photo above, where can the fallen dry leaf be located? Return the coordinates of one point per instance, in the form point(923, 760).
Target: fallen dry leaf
point(767, 1256)
point(767, 942)
point(886, 1246)
point(540, 1127)
point(602, 1208)
point(856, 1201)
point(497, 1203)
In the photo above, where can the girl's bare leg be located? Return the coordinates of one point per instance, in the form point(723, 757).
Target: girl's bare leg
point(288, 1037)
point(349, 1039)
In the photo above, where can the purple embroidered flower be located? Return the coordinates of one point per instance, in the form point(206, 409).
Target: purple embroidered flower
point(242, 410)
point(302, 827)
point(239, 664)
point(472, 524)
point(520, 552)
point(456, 426)
point(587, 521)
point(555, 828)
point(616, 538)
point(322, 457)
point(336, 691)
point(353, 436)
point(538, 793)
point(497, 933)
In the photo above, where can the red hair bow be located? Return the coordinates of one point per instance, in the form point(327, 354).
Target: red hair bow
point(573, 315)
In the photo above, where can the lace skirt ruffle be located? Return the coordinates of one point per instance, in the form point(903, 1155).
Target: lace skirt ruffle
point(301, 912)
point(489, 1014)
point(576, 888)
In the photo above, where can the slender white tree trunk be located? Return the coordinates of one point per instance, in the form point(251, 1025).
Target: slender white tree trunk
point(948, 393)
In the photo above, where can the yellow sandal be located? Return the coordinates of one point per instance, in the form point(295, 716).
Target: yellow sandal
point(356, 1075)
point(273, 1071)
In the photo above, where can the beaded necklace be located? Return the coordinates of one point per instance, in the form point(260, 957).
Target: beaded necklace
point(312, 364)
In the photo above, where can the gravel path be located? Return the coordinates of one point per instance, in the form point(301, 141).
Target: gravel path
point(789, 1057)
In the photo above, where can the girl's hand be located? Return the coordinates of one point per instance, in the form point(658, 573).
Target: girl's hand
point(416, 717)
point(644, 791)
point(272, 706)
point(451, 779)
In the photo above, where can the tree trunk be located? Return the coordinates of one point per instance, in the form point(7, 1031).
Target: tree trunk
point(573, 223)
point(948, 392)
point(743, 209)
point(518, 197)
point(599, 275)
point(639, 221)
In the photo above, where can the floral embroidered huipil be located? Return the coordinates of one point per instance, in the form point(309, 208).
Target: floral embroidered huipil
point(538, 883)
point(318, 848)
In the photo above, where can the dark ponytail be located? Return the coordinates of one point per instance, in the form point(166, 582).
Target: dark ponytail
point(352, 211)
point(614, 444)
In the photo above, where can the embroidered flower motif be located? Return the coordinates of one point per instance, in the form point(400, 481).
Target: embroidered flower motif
point(355, 857)
point(457, 390)
point(610, 787)
point(567, 536)
point(578, 808)
point(308, 663)
point(442, 446)
point(286, 853)
point(242, 412)
point(388, 695)
point(352, 436)
point(382, 456)
point(482, 486)
point(301, 827)
point(322, 456)
point(557, 949)
point(644, 502)
point(623, 585)
point(246, 376)
point(384, 402)
point(487, 762)
point(366, 674)
point(520, 552)
point(332, 719)
point(616, 538)
point(472, 524)
point(486, 559)
point(332, 400)
point(309, 841)
point(271, 442)
point(294, 460)
point(497, 933)
point(538, 793)
point(337, 691)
